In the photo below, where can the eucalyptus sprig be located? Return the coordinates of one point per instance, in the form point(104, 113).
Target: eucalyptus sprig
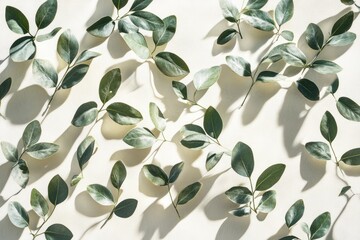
point(129, 26)
point(319, 227)
point(4, 89)
point(57, 193)
point(24, 48)
point(158, 177)
point(103, 195)
point(32, 147)
point(242, 162)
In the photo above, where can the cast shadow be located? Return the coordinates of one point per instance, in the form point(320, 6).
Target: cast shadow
point(111, 130)
point(8, 230)
point(5, 170)
point(131, 157)
point(85, 205)
point(233, 228)
point(218, 208)
point(215, 31)
point(353, 171)
point(116, 45)
point(15, 70)
point(282, 232)
point(311, 170)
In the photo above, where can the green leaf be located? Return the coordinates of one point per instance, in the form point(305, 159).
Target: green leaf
point(102, 28)
point(140, 138)
point(42, 150)
point(146, 20)
point(48, 36)
point(287, 35)
point(326, 67)
point(16, 20)
point(212, 159)
point(348, 109)
point(31, 134)
point(23, 49)
point(123, 114)
point(308, 89)
point(194, 137)
point(306, 229)
point(343, 24)
point(291, 237)
point(348, 2)
point(126, 26)
point(126, 208)
point(46, 13)
point(179, 89)
point(320, 226)
point(295, 213)
point(270, 177)
point(226, 36)
point(76, 179)
point(10, 151)
point(86, 55)
point(58, 232)
point(45, 73)
point(269, 76)
point(190, 129)
point(267, 202)
point(188, 193)
point(242, 211)
point(163, 35)
point(242, 160)
point(140, 5)
point(85, 151)
point(171, 65)
point(318, 150)
point(57, 190)
point(39, 203)
point(5, 88)
point(239, 195)
point(314, 36)
point(100, 194)
point(334, 86)
point(109, 85)
point(74, 76)
point(343, 39)
point(213, 124)
point(155, 175)
point(229, 10)
point(118, 174)
point(255, 4)
point(239, 65)
point(157, 117)
point(328, 127)
point(205, 78)
point(136, 42)
point(351, 157)
point(284, 11)
point(275, 53)
point(259, 19)
point(175, 172)
point(344, 190)
point(67, 46)
point(20, 173)
point(293, 55)
point(18, 215)
point(119, 3)
point(85, 114)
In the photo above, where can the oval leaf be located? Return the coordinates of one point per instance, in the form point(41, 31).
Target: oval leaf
point(295, 213)
point(319, 150)
point(57, 190)
point(16, 20)
point(42, 150)
point(102, 28)
point(284, 11)
point(343, 39)
point(146, 20)
point(239, 195)
point(239, 65)
point(118, 174)
point(325, 67)
point(287, 35)
point(226, 36)
point(229, 10)
point(328, 127)
point(18, 215)
point(308, 89)
point(163, 35)
point(344, 190)
point(109, 85)
point(175, 172)
point(31, 133)
point(351, 157)
point(348, 109)
point(343, 24)
point(269, 76)
point(5, 87)
point(119, 3)
point(86, 55)
point(140, 5)
point(39, 203)
point(10, 151)
point(242, 211)
point(100, 194)
point(85, 114)
point(20, 173)
point(48, 36)
point(126, 26)
point(213, 124)
point(140, 138)
point(46, 13)
point(320, 226)
point(67, 46)
point(270, 177)
point(126, 208)
point(242, 160)
point(212, 159)
point(314, 36)
point(136, 42)
point(171, 65)
point(155, 175)
point(195, 141)
point(23, 49)
point(74, 76)
point(157, 117)
point(255, 4)
point(206, 78)
point(123, 114)
point(293, 55)
point(85, 151)
point(58, 232)
point(179, 89)
point(45, 73)
point(259, 19)
point(267, 202)
point(188, 193)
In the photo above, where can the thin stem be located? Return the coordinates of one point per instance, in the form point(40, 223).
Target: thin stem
point(97, 119)
point(358, 6)
point(153, 154)
point(333, 151)
point(216, 141)
point(153, 50)
point(239, 30)
point(247, 94)
point(172, 201)
point(38, 229)
point(253, 195)
point(196, 104)
point(108, 218)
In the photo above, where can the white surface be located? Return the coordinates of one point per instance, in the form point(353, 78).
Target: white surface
point(275, 122)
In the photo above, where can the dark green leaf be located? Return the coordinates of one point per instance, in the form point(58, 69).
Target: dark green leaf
point(325, 67)
point(146, 20)
point(58, 232)
point(175, 172)
point(269, 76)
point(39, 203)
point(85, 151)
point(229, 10)
point(344, 190)
point(180, 89)
point(163, 35)
point(267, 202)
point(126, 208)
point(5, 88)
point(287, 35)
point(140, 5)
point(136, 42)
point(328, 127)
point(57, 190)
point(351, 157)
point(205, 78)
point(343, 24)
point(23, 49)
point(293, 55)
point(242, 211)
point(239, 65)
point(195, 141)
point(239, 195)
point(171, 65)
point(284, 11)
point(31, 133)
point(85, 114)
point(213, 124)
point(42, 150)
point(275, 53)
point(10, 151)
point(155, 175)
point(255, 4)
point(16, 20)
point(348, 2)
point(126, 26)
point(46, 13)
point(102, 28)
point(314, 36)
point(242, 160)
point(295, 213)
point(140, 138)
point(319, 150)
point(334, 86)
point(157, 117)
point(18, 215)
point(259, 19)
point(123, 114)
point(74, 76)
point(109, 85)
point(86, 55)
point(212, 159)
point(188, 193)
point(270, 177)
point(118, 174)
point(119, 3)
point(308, 89)
point(48, 36)
point(226, 36)
point(291, 237)
point(20, 173)
point(67, 46)
point(45, 73)
point(343, 39)
point(190, 129)
point(320, 226)
point(348, 109)
point(100, 194)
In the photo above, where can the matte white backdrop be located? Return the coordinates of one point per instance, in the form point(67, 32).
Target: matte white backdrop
point(275, 122)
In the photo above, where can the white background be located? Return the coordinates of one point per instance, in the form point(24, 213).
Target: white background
point(276, 122)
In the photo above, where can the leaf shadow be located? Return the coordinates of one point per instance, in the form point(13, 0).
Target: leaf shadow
point(218, 207)
point(131, 157)
point(116, 45)
point(111, 130)
point(87, 230)
point(8, 230)
point(85, 205)
point(311, 170)
point(233, 228)
point(15, 70)
point(282, 232)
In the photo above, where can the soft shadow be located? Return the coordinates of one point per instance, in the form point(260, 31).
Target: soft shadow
point(111, 130)
point(149, 189)
point(282, 232)
point(261, 216)
point(117, 46)
point(218, 207)
point(215, 31)
point(311, 170)
point(87, 230)
point(8, 231)
point(353, 171)
point(233, 228)
point(85, 205)
point(131, 157)
point(16, 71)
point(59, 100)
point(5, 170)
